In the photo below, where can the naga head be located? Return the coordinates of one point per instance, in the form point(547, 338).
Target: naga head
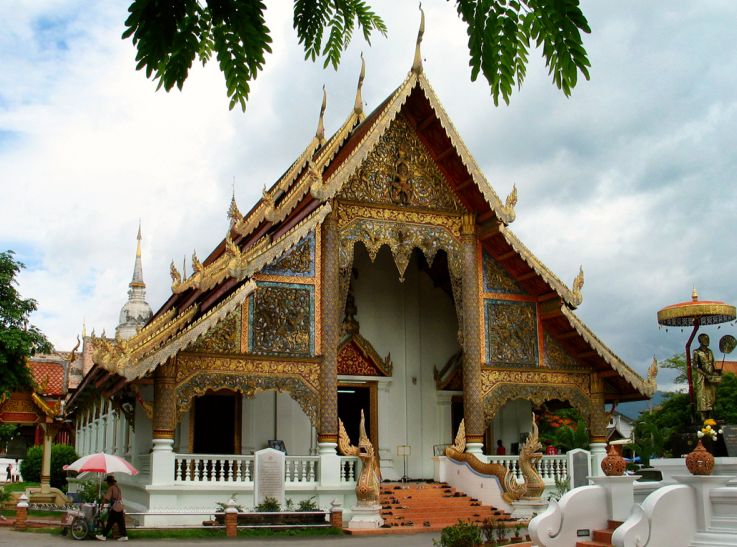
point(365, 448)
point(532, 446)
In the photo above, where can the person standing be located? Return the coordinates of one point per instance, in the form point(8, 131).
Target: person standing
point(500, 450)
point(9, 473)
point(115, 514)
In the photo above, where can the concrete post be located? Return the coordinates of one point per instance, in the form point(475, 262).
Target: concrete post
point(620, 494)
point(231, 519)
point(336, 515)
point(21, 513)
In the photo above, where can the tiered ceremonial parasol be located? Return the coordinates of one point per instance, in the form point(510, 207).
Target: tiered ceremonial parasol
point(694, 314)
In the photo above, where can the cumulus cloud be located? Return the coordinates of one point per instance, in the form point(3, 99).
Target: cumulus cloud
point(631, 177)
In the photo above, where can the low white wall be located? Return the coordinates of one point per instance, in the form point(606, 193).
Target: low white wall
point(463, 478)
point(580, 511)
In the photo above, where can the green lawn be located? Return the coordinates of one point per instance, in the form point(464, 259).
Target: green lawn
point(19, 486)
point(31, 514)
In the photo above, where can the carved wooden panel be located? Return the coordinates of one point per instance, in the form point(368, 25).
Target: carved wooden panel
point(299, 261)
point(511, 333)
point(282, 319)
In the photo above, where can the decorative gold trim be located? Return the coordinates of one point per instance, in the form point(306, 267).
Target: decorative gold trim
point(620, 367)
point(349, 212)
point(570, 297)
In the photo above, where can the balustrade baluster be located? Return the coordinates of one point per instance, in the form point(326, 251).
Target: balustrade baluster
point(248, 470)
point(311, 473)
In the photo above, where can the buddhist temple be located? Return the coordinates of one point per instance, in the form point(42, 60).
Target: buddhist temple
point(378, 273)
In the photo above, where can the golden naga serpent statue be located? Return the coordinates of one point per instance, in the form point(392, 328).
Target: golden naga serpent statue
point(533, 485)
point(367, 486)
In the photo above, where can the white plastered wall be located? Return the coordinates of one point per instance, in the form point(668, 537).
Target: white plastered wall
point(416, 323)
point(513, 419)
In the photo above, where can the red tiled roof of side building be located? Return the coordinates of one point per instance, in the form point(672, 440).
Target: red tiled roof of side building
point(729, 366)
point(48, 375)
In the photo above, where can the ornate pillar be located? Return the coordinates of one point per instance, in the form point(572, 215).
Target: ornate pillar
point(597, 424)
point(327, 435)
point(164, 423)
point(473, 411)
point(331, 323)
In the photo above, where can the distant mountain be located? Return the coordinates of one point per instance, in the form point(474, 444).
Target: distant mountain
point(633, 409)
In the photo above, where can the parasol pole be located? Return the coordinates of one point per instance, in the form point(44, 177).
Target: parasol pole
point(696, 325)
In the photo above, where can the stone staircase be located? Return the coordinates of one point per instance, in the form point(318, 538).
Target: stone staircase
point(428, 507)
point(601, 538)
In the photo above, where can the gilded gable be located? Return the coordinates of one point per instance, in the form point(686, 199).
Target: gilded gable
point(400, 172)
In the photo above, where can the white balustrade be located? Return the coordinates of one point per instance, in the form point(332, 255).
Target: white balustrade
point(213, 468)
point(348, 468)
point(551, 468)
point(301, 469)
point(190, 468)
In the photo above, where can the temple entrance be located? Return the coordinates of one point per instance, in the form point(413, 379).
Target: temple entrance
point(352, 398)
point(216, 423)
point(413, 324)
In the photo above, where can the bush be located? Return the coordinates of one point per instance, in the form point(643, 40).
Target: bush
point(462, 534)
point(269, 505)
point(61, 455)
point(308, 505)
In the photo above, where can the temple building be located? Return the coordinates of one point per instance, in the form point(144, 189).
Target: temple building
point(378, 273)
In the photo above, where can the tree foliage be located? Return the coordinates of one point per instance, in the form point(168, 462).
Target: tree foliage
point(169, 36)
point(61, 455)
point(18, 339)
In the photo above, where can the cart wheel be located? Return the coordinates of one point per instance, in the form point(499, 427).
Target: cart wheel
point(79, 528)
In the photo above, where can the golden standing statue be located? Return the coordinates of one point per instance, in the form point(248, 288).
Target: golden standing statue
point(706, 377)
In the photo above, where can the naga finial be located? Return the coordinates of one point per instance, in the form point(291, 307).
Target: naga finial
point(511, 201)
point(176, 277)
point(320, 133)
point(578, 284)
point(417, 64)
point(358, 104)
point(652, 372)
point(196, 264)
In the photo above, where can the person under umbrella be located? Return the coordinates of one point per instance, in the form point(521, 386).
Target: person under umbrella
point(115, 514)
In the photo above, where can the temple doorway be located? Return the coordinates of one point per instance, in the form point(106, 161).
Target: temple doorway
point(216, 423)
point(410, 319)
point(352, 398)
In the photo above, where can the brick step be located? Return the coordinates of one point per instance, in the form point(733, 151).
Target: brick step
point(605, 536)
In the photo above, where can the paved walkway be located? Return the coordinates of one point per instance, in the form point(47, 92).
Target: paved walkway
point(11, 537)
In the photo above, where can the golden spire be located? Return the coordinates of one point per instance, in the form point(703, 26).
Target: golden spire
point(358, 105)
point(138, 250)
point(694, 294)
point(84, 328)
point(320, 133)
point(417, 64)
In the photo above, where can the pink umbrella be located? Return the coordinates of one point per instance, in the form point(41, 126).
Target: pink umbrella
point(102, 463)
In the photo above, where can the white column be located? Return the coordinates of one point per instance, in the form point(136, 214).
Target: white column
point(703, 485)
point(620, 494)
point(598, 453)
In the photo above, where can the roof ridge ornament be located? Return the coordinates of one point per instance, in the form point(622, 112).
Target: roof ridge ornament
point(578, 285)
point(358, 104)
point(320, 133)
point(510, 203)
point(417, 64)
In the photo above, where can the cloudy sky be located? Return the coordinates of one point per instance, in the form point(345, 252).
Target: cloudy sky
point(632, 176)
